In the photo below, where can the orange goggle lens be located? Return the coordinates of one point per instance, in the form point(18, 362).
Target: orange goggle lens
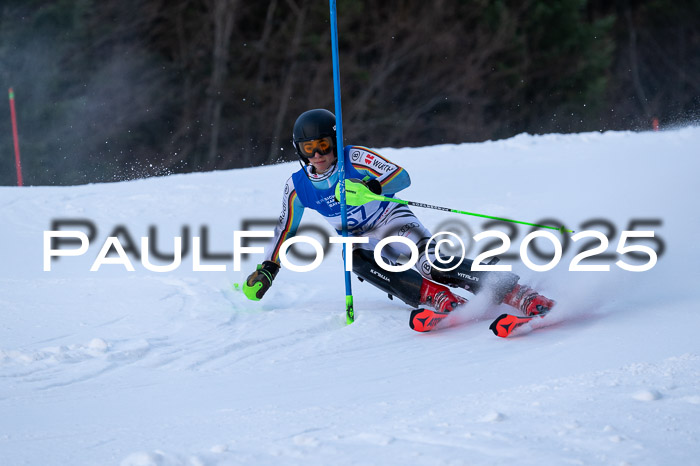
point(323, 146)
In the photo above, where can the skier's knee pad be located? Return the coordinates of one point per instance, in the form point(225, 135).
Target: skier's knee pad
point(476, 281)
point(404, 285)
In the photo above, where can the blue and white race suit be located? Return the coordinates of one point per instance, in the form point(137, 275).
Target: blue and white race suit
point(375, 220)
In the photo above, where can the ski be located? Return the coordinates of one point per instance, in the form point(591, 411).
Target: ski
point(425, 320)
point(504, 324)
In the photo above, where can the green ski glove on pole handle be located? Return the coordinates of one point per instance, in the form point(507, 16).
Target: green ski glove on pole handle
point(258, 282)
point(356, 193)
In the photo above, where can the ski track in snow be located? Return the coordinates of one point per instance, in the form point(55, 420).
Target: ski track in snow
point(142, 368)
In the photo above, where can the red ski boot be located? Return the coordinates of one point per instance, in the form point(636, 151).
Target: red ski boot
point(439, 297)
point(528, 301)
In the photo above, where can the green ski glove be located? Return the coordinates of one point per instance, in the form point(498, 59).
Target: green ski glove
point(359, 192)
point(258, 282)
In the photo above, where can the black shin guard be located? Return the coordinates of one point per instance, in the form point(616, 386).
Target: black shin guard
point(498, 283)
point(404, 285)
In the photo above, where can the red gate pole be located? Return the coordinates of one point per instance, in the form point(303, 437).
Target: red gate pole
point(18, 164)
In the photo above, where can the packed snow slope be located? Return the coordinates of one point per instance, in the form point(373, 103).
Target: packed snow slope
point(179, 368)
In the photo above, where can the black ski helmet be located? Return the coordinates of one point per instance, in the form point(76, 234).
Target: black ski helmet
point(313, 124)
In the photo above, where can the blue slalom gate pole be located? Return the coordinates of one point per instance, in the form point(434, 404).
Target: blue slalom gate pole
point(340, 152)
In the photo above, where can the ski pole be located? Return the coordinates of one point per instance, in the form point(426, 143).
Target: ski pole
point(561, 229)
point(362, 196)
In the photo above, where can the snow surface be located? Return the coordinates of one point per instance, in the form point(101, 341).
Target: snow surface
point(178, 368)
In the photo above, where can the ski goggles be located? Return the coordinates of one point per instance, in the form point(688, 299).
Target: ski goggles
point(323, 146)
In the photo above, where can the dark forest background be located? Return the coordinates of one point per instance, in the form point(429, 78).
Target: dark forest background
point(120, 89)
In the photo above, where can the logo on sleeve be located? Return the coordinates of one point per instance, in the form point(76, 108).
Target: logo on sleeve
point(405, 230)
point(368, 159)
point(283, 215)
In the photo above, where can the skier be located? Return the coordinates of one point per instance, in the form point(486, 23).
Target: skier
point(314, 187)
